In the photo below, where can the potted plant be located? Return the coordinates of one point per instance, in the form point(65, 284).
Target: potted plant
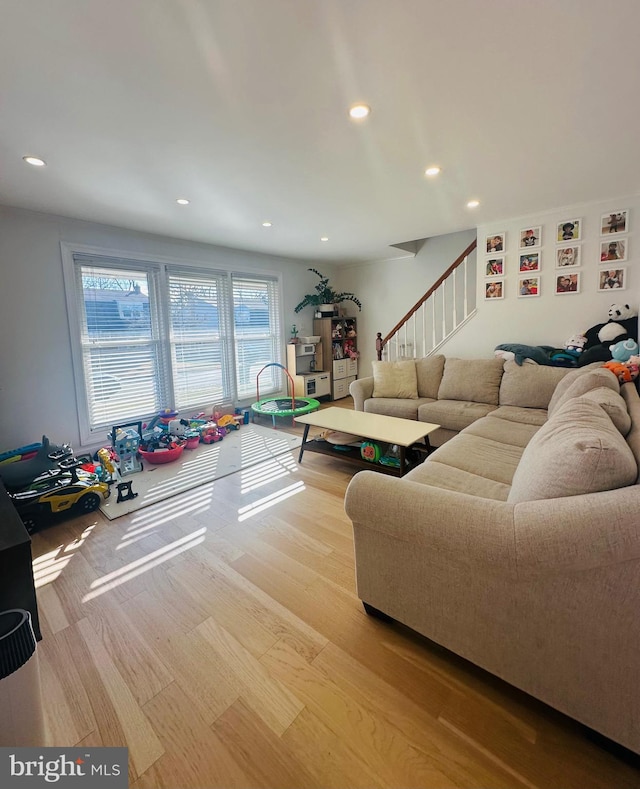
point(325, 296)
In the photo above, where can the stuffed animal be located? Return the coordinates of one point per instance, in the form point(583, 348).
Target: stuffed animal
point(520, 352)
point(622, 323)
point(623, 371)
point(178, 427)
point(622, 351)
point(575, 343)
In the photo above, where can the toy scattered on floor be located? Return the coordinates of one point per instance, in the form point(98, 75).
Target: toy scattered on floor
point(125, 491)
point(229, 422)
point(211, 432)
point(67, 488)
point(125, 441)
point(18, 475)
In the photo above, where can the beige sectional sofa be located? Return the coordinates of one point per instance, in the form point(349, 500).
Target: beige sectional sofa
point(516, 544)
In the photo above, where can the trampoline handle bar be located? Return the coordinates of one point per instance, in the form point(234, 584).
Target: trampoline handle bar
point(282, 367)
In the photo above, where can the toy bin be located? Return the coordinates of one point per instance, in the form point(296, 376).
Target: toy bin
point(161, 455)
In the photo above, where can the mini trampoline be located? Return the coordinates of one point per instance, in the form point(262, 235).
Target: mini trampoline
point(282, 406)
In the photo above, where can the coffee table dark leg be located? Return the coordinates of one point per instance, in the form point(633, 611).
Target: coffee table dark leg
point(403, 451)
point(304, 438)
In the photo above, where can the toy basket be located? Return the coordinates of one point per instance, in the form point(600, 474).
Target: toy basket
point(161, 455)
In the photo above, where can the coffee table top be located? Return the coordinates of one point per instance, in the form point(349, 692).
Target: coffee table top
point(390, 429)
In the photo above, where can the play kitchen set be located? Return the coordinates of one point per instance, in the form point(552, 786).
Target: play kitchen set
point(304, 364)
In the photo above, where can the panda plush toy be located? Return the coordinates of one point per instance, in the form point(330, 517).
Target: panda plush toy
point(622, 324)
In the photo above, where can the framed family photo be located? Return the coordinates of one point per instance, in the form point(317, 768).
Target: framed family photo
point(612, 279)
point(615, 222)
point(496, 242)
point(494, 289)
point(567, 283)
point(567, 257)
point(529, 262)
point(494, 267)
point(531, 237)
point(528, 286)
point(569, 230)
point(613, 250)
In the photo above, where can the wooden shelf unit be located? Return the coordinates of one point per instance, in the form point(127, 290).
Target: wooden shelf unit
point(334, 342)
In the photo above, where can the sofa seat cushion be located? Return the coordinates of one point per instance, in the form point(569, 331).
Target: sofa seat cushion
point(475, 380)
point(529, 385)
point(394, 406)
point(578, 451)
point(579, 382)
point(517, 434)
point(526, 416)
point(445, 477)
point(395, 379)
point(483, 457)
point(453, 414)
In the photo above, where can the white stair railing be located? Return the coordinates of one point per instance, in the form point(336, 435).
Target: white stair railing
point(440, 313)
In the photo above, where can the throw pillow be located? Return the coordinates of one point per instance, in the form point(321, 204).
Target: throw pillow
point(475, 380)
point(429, 371)
point(395, 379)
point(576, 383)
point(577, 451)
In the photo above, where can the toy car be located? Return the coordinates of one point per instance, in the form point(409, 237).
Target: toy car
point(59, 491)
point(210, 433)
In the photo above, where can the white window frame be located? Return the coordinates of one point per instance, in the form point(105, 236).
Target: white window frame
point(93, 437)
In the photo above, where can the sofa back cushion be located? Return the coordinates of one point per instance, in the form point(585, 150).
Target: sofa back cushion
point(577, 451)
point(614, 405)
point(579, 382)
point(429, 371)
point(395, 379)
point(529, 385)
point(475, 380)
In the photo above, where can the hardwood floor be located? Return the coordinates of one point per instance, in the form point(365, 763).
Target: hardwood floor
point(220, 638)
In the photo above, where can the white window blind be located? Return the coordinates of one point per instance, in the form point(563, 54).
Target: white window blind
point(199, 307)
point(120, 343)
point(148, 336)
point(257, 333)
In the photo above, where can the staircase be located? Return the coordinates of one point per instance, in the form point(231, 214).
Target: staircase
point(448, 304)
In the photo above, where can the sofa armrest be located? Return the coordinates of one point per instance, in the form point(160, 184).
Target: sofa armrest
point(463, 530)
point(361, 389)
point(578, 532)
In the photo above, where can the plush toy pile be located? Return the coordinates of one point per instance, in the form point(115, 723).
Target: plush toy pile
point(596, 344)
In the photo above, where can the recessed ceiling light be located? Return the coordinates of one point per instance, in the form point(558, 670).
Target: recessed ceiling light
point(267, 224)
point(359, 111)
point(34, 160)
point(182, 201)
point(473, 203)
point(324, 238)
point(432, 171)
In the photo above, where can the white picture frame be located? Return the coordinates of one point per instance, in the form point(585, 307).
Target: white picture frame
point(614, 222)
point(495, 242)
point(528, 287)
point(494, 289)
point(569, 230)
point(531, 237)
point(494, 267)
point(567, 283)
point(615, 250)
point(612, 279)
point(530, 262)
point(568, 257)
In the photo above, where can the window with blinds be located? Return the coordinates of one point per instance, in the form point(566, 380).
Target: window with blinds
point(257, 334)
point(151, 336)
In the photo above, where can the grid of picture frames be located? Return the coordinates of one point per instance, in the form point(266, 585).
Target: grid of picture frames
point(567, 257)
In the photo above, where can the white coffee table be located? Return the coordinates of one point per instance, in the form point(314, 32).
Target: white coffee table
point(373, 427)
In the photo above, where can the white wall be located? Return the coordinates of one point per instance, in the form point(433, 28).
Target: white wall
point(388, 289)
point(37, 393)
point(550, 319)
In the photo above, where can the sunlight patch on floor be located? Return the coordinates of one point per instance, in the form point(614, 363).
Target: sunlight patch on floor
point(244, 513)
point(139, 566)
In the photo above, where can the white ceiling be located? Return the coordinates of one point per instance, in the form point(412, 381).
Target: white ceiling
point(241, 106)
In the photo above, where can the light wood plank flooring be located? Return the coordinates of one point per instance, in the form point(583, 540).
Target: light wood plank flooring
point(219, 637)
